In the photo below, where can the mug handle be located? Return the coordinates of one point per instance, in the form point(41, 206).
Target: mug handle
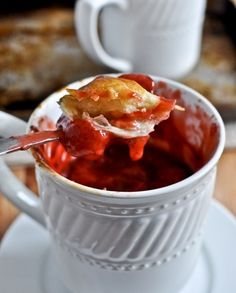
point(12, 188)
point(86, 23)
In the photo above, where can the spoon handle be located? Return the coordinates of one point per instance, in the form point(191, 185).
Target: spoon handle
point(24, 142)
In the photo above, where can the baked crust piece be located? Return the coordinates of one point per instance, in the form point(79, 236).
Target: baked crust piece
point(118, 105)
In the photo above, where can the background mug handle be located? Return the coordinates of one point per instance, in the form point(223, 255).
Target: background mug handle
point(11, 187)
point(86, 23)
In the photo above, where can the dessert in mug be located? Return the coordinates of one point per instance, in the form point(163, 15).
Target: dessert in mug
point(124, 134)
point(111, 137)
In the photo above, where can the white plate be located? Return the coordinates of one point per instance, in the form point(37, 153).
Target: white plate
point(27, 266)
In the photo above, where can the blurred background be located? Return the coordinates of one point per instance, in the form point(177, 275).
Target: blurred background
point(39, 53)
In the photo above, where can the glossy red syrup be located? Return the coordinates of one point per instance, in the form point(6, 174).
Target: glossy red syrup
point(176, 149)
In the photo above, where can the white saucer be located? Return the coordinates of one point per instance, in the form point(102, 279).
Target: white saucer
point(26, 261)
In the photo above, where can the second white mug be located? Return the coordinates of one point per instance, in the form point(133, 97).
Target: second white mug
point(160, 37)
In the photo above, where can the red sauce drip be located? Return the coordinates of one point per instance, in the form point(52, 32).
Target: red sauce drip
point(81, 139)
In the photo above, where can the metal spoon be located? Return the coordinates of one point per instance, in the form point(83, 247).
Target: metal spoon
point(24, 142)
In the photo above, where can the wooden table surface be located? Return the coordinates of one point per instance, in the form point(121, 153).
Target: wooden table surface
point(225, 190)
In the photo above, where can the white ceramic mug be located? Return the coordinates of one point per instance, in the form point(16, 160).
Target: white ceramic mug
point(106, 241)
point(159, 37)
